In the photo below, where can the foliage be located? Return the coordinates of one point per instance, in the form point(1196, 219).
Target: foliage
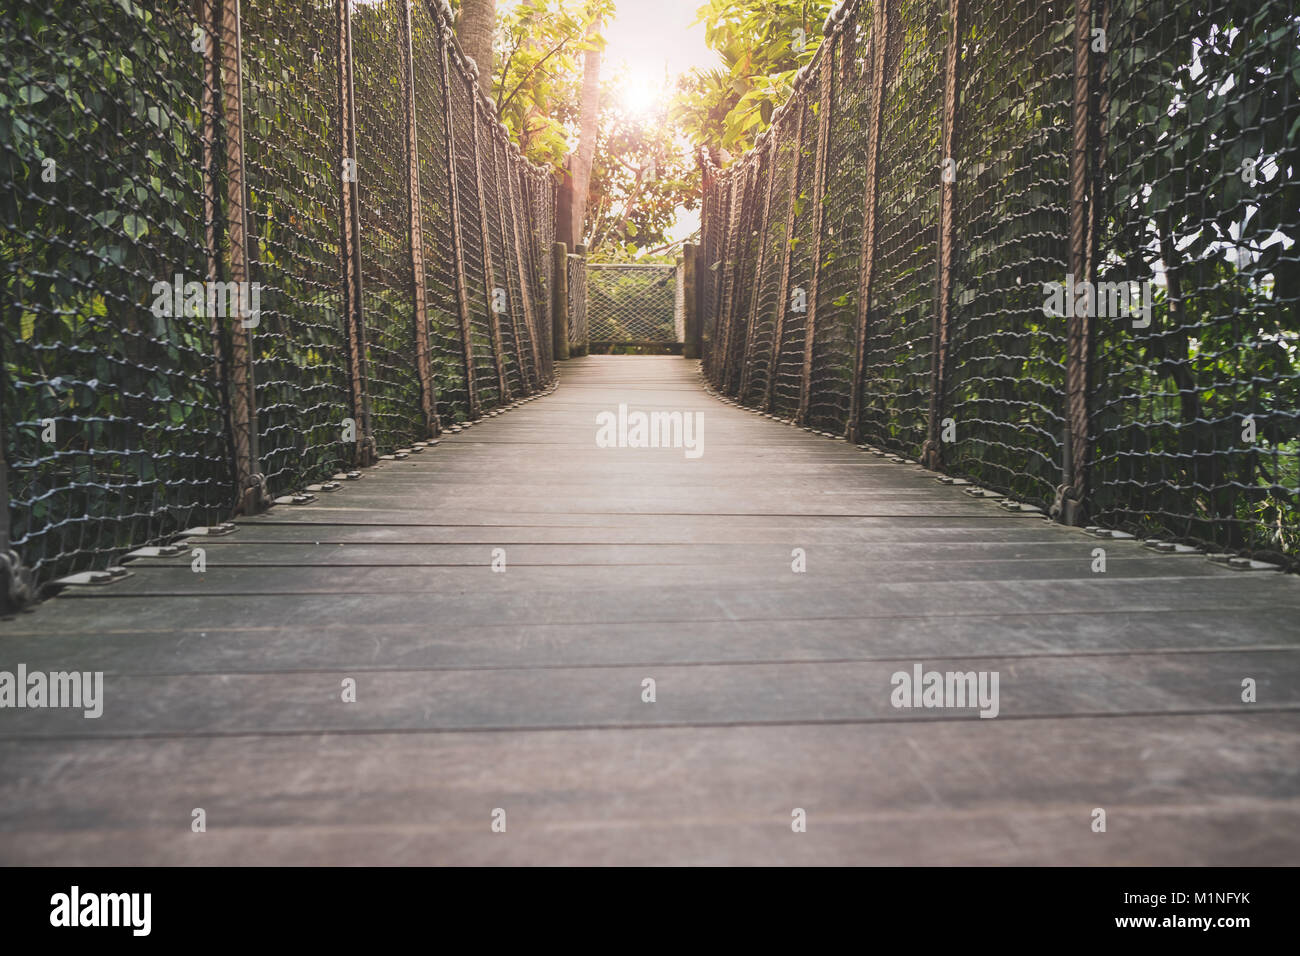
point(1225, 341)
point(762, 45)
point(642, 176)
point(537, 73)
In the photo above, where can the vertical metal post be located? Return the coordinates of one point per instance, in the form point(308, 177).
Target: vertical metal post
point(932, 451)
point(252, 494)
point(783, 287)
point(825, 109)
point(867, 250)
point(423, 361)
point(457, 242)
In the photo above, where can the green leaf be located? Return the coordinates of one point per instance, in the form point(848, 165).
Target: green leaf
point(135, 226)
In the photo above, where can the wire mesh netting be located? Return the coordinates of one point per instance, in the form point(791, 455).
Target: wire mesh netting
point(1055, 255)
point(387, 304)
point(1196, 403)
point(230, 260)
point(113, 411)
point(631, 303)
point(1007, 382)
point(300, 360)
point(579, 325)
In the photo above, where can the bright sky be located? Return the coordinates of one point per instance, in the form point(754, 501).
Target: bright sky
point(649, 34)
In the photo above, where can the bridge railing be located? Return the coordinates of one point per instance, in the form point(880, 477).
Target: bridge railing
point(245, 247)
point(1049, 247)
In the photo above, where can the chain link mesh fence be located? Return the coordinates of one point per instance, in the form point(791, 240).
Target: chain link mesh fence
point(631, 304)
point(244, 246)
point(579, 328)
point(1048, 247)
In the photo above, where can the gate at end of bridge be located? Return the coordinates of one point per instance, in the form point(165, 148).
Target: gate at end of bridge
point(627, 307)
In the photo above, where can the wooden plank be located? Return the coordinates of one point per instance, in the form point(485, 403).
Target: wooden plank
point(904, 793)
point(649, 603)
point(1120, 689)
point(716, 695)
point(574, 577)
point(854, 559)
point(182, 645)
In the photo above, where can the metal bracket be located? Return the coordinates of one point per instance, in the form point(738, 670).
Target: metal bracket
point(94, 578)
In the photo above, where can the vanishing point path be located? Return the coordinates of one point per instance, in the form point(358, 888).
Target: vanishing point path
point(481, 691)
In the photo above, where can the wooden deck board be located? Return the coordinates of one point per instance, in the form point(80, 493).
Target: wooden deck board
point(522, 690)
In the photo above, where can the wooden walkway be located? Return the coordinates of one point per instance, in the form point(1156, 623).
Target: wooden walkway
point(522, 690)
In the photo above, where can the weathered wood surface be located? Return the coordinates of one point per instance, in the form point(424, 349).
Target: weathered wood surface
point(522, 690)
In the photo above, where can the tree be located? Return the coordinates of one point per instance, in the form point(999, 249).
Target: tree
point(537, 77)
point(588, 113)
point(643, 174)
point(762, 45)
point(475, 29)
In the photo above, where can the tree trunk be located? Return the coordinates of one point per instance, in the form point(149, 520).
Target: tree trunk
point(477, 25)
point(588, 112)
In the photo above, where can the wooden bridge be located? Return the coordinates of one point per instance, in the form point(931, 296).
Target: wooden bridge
point(500, 601)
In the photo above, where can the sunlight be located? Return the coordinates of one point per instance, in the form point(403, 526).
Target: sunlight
point(641, 95)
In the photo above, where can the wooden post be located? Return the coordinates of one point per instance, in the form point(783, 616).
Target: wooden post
point(560, 300)
point(1078, 330)
point(825, 107)
point(867, 254)
point(423, 360)
point(932, 450)
point(457, 242)
point(783, 287)
point(690, 302)
point(252, 493)
point(489, 272)
point(564, 207)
